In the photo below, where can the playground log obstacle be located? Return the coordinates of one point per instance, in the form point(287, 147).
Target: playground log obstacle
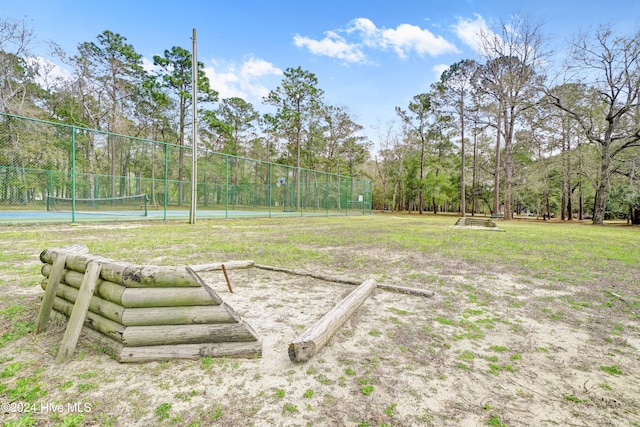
point(141, 313)
point(315, 337)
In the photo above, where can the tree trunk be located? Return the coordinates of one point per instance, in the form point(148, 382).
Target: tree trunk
point(496, 171)
point(474, 179)
point(634, 214)
point(602, 191)
point(421, 201)
point(508, 163)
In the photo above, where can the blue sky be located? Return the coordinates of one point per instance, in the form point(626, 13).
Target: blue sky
point(368, 56)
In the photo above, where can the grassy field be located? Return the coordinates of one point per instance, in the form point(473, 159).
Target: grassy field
point(537, 325)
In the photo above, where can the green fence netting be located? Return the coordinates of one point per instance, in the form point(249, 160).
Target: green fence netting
point(55, 172)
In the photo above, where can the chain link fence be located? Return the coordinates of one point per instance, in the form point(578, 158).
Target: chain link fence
point(53, 172)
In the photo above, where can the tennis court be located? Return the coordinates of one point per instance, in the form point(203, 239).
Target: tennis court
point(36, 216)
point(152, 180)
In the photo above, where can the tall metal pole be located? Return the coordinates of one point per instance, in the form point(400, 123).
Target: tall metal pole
point(73, 174)
point(298, 145)
point(194, 154)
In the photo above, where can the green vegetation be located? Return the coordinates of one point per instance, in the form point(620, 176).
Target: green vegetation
point(163, 411)
point(613, 370)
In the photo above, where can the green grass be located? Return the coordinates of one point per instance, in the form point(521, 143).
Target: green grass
point(612, 370)
point(570, 253)
point(163, 411)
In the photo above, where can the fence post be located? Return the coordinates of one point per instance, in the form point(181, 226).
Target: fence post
point(50, 189)
point(270, 187)
point(226, 178)
point(327, 186)
point(301, 190)
point(166, 180)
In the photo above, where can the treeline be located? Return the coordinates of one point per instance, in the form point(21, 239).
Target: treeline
point(503, 133)
point(499, 134)
point(108, 89)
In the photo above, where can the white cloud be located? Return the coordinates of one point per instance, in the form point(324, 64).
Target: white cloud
point(253, 67)
point(403, 40)
point(439, 69)
point(369, 31)
point(406, 38)
point(470, 31)
point(333, 45)
point(243, 80)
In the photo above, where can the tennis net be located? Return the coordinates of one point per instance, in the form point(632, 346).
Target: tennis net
point(125, 205)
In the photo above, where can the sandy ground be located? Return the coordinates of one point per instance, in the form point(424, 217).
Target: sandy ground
point(490, 348)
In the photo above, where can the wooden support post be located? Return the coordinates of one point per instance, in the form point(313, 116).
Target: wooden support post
point(226, 277)
point(50, 294)
point(315, 337)
point(80, 308)
point(204, 284)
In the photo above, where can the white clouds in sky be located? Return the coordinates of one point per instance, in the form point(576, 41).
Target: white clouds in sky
point(403, 40)
point(333, 45)
point(439, 69)
point(242, 80)
point(470, 30)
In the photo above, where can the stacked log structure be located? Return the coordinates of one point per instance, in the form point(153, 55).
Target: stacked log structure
point(144, 313)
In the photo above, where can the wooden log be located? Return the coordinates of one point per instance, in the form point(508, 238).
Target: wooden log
point(105, 289)
point(315, 337)
point(229, 265)
point(79, 313)
point(140, 336)
point(77, 260)
point(126, 274)
point(94, 321)
point(139, 297)
point(50, 254)
point(189, 315)
point(147, 316)
point(140, 276)
point(165, 297)
point(97, 305)
point(308, 274)
point(400, 289)
point(137, 336)
point(250, 349)
point(49, 296)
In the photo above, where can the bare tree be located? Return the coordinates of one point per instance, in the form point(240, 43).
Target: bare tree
point(15, 71)
point(610, 65)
